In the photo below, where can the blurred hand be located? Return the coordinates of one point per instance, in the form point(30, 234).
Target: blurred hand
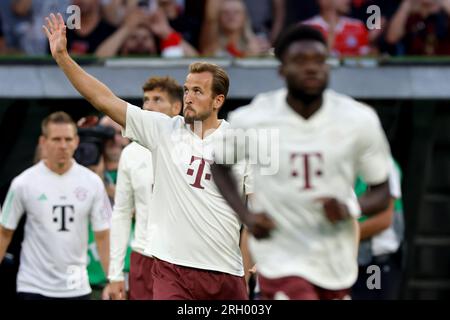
point(334, 210)
point(56, 34)
point(134, 18)
point(159, 24)
point(117, 290)
point(260, 225)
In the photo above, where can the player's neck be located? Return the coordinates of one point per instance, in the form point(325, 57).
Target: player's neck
point(204, 128)
point(58, 168)
point(304, 109)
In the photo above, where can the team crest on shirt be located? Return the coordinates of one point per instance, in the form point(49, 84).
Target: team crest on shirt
point(81, 193)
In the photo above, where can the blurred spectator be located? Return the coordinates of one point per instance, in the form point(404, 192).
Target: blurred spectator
point(2, 40)
point(346, 36)
point(116, 11)
point(137, 36)
point(381, 243)
point(227, 32)
point(267, 17)
point(94, 30)
point(23, 20)
point(111, 154)
point(422, 26)
point(376, 36)
point(300, 10)
point(188, 26)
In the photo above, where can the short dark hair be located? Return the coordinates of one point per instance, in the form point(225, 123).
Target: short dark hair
point(58, 117)
point(220, 83)
point(298, 32)
point(167, 84)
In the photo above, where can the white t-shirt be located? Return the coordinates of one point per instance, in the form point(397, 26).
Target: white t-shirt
point(133, 194)
point(387, 241)
point(309, 159)
point(192, 224)
point(58, 208)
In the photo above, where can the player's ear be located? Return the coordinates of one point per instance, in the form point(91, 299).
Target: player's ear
point(41, 140)
point(219, 101)
point(77, 141)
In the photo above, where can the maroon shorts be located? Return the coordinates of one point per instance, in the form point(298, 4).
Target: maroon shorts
point(141, 279)
point(175, 282)
point(297, 288)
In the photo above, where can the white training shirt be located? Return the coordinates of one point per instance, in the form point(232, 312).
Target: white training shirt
point(58, 208)
point(193, 225)
point(387, 241)
point(318, 157)
point(132, 197)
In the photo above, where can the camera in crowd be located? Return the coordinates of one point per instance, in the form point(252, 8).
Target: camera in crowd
point(92, 141)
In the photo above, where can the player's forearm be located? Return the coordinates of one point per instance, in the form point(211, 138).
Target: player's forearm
point(5, 239)
point(376, 199)
point(92, 89)
point(120, 234)
point(102, 241)
point(377, 223)
point(227, 187)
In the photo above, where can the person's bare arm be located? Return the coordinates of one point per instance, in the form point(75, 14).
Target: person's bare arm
point(246, 257)
point(210, 30)
point(445, 4)
point(259, 224)
point(21, 7)
point(375, 199)
point(98, 94)
point(279, 15)
point(111, 45)
point(6, 236)
point(102, 241)
point(377, 223)
point(397, 26)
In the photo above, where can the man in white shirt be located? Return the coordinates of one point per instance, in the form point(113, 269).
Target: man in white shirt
point(133, 193)
point(308, 204)
point(196, 241)
point(60, 198)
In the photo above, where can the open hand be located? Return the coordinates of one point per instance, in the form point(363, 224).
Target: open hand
point(56, 34)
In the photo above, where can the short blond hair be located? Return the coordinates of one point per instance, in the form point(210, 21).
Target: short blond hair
point(221, 82)
point(58, 117)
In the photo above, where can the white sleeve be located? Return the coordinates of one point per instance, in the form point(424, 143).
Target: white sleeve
point(101, 208)
point(121, 219)
point(144, 126)
point(394, 181)
point(248, 180)
point(373, 153)
point(231, 146)
point(13, 208)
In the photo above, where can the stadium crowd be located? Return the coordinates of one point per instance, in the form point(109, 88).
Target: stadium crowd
point(228, 28)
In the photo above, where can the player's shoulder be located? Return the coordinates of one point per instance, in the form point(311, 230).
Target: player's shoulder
point(263, 106)
point(347, 108)
point(31, 174)
point(133, 149)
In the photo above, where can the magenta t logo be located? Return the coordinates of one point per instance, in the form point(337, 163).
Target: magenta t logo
point(200, 170)
point(307, 166)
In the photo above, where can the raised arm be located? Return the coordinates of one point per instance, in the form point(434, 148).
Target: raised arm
point(99, 95)
point(397, 26)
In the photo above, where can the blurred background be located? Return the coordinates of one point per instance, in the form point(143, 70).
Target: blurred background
point(391, 54)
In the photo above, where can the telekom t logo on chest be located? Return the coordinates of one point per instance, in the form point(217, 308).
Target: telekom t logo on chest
point(197, 170)
point(307, 166)
point(63, 215)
